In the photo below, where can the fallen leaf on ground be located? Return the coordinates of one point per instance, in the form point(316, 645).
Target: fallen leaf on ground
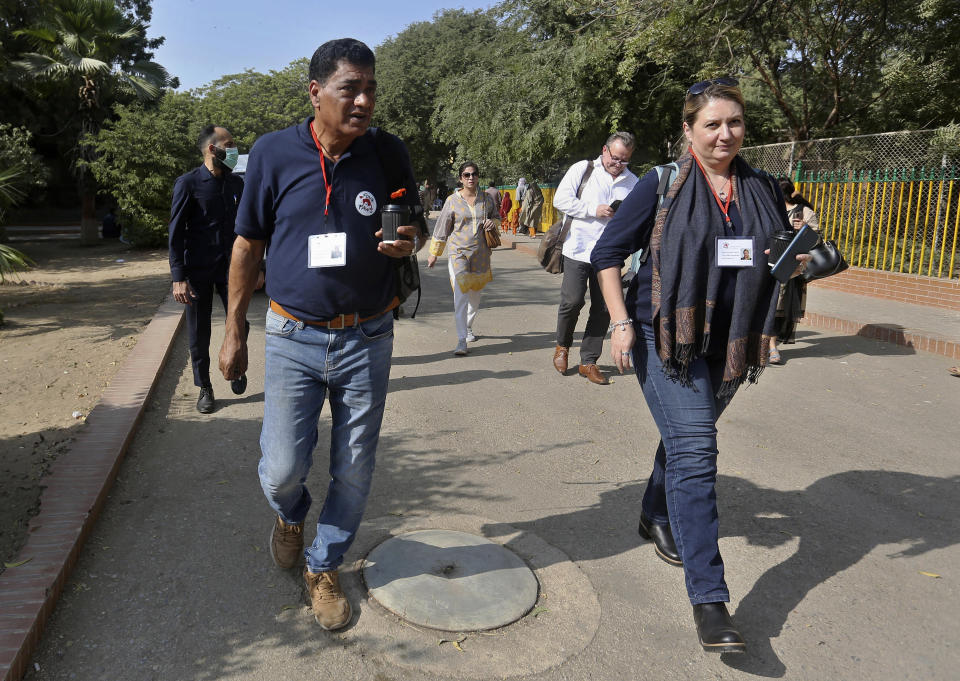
point(18, 563)
point(930, 574)
point(455, 641)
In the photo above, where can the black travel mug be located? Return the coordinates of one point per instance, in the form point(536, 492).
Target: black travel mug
point(392, 216)
point(778, 244)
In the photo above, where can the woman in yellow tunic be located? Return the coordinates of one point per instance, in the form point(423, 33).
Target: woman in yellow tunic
point(466, 213)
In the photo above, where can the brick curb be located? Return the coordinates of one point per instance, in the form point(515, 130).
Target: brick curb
point(916, 339)
point(75, 492)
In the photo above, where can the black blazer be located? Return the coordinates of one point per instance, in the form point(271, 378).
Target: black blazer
point(202, 218)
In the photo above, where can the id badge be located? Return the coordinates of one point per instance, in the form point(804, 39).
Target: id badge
point(327, 250)
point(735, 252)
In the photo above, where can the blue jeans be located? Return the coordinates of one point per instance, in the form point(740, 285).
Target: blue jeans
point(681, 489)
point(304, 365)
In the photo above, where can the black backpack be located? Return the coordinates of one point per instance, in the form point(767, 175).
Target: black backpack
point(397, 171)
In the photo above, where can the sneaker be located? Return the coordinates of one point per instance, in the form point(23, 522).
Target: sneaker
point(461, 348)
point(330, 607)
point(205, 403)
point(286, 544)
point(239, 385)
point(470, 337)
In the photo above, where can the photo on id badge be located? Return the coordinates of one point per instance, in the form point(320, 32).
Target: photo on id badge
point(735, 252)
point(327, 250)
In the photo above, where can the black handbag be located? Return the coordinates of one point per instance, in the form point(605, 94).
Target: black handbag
point(826, 261)
point(550, 253)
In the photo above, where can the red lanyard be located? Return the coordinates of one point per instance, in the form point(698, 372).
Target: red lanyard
point(323, 168)
point(724, 207)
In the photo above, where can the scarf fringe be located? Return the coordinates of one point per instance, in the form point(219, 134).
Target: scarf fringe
point(677, 368)
point(729, 388)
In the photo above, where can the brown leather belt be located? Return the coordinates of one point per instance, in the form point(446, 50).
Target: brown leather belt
point(342, 321)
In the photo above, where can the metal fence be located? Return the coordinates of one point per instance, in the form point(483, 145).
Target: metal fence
point(937, 148)
point(895, 221)
point(891, 201)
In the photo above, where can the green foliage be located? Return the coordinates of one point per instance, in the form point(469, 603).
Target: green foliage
point(412, 67)
point(818, 67)
point(98, 50)
point(12, 261)
point(250, 104)
point(16, 152)
point(138, 157)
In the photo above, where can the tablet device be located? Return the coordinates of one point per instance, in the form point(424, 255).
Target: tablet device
point(805, 239)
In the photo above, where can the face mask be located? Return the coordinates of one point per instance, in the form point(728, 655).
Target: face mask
point(228, 157)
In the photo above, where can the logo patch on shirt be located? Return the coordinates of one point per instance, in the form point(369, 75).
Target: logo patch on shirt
point(366, 204)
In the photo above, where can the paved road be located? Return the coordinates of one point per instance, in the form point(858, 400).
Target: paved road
point(839, 491)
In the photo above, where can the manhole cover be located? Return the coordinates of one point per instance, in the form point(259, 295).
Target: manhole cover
point(449, 580)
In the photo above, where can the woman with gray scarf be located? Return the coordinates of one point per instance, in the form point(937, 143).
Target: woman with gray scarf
point(697, 322)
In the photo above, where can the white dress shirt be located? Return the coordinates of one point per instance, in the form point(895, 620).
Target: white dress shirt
point(600, 188)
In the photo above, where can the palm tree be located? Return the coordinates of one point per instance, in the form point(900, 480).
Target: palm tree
point(12, 261)
point(92, 44)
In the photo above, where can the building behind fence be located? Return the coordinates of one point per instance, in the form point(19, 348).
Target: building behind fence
point(891, 202)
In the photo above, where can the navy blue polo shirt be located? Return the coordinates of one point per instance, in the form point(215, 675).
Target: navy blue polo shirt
point(283, 204)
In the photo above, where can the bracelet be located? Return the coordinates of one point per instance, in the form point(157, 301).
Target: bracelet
point(622, 324)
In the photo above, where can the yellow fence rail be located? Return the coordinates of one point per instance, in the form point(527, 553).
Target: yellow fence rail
point(894, 221)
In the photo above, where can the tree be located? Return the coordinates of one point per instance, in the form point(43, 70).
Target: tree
point(24, 174)
point(251, 104)
point(139, 155)
point(819, 66)
point(94, 46)
point(411, 69)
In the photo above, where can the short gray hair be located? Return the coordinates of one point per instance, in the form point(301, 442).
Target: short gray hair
point(625, 138)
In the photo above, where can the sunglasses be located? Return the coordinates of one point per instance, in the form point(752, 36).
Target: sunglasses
point(699, 88)
point(470, 175)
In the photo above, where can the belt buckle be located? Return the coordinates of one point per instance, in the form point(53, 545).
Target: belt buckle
point(337, 322)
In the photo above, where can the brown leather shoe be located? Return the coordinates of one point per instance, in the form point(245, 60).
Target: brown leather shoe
point(560, 359)
point(286, 544)
point(592, 373)
point(330, 607)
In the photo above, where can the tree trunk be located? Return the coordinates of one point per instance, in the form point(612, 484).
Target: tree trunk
point(89, 226)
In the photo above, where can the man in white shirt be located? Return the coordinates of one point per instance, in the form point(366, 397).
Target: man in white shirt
point(609, 182)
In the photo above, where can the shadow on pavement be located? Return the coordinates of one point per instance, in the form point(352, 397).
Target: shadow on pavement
point(812, 344)
point(838, 520)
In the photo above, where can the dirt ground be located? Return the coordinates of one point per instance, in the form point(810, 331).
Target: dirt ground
point(69, 323)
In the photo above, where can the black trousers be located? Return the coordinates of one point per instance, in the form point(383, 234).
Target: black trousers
point(198, 323)
point(576, 277)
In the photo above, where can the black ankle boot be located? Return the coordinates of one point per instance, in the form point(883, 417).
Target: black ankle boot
point(205, 403)
point(662, 538)
point(716, 630)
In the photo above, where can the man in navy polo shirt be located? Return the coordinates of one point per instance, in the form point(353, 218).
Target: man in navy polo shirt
point(201, 237)
point(313, 192)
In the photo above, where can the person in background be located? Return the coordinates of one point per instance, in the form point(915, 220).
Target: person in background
point(610, 180)
point(521, 190)
point(111, 227)
point(506, 203)
point(494, 194)
point(466, 214)
point(792, 303)
point(202, 217)
point(428, 196)
point(532, 209)
point(695, 326)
